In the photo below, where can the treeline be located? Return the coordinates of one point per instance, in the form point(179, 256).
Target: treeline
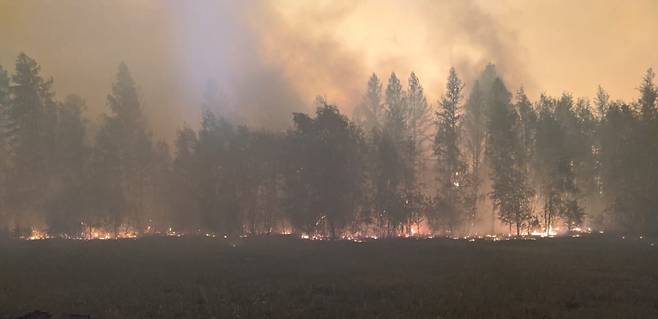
point(479, 159)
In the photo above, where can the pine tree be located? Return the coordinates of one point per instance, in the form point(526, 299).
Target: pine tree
point(527, 126)
point(474, 128)
point(4, 99)
point(260, 193)
point(452, 169)
point(646, 136)
point(397, 171)
point(161, 188)
point(527, 122)
point(649, 93)
point(586, 145)
point(218, 202)
point(474, 138)
point(396, 112)
point(370, 113)
point(4, 158)
point(419, 123)
point(70, 198)
point(123, 153)
point(510, 188)
point(563, 153)
point(601, 101)
point(31, 123)
point(186, 176)
point(619, 156)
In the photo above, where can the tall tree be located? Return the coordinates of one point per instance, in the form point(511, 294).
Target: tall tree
point(31, 120)
point(396, 111)
point(122, 154)
point(619, 157)
point(186, 176)
point(325, 178)
point(527, 124)
point(69, 200)
point(388, 173)
point(474, 138)
point(601, 101)
point(160, 187)
point(396, 136)
point(560, 137)
point(419, 124)
point(4, 101)
point(4, 158)
point(474, 134)
point(265, 213)
point(647, 132)
point(370, 113)
point(218, 202)
point(585, 142)
point(648, 95)
point(527, 129)
point(452, 169)
point(510, 188)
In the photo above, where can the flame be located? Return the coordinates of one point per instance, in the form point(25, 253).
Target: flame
point(417, 230)
point(101, 233)
point(172, 233)
point(36, 234)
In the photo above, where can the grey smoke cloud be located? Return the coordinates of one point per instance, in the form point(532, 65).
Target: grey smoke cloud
point(270, 58)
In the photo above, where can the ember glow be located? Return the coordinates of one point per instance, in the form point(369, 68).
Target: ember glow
point(37, 235)
point(415, 232)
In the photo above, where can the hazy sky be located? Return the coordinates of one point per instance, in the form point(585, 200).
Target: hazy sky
point(273, 57)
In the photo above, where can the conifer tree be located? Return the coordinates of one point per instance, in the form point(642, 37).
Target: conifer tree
point(69, 200)
point(123, 153)
point(452, 169)
point(370, 113)
point(511, 191)
point(186, 175)
point(31, 120)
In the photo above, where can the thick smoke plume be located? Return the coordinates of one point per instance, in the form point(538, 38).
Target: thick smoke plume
point(271, 58)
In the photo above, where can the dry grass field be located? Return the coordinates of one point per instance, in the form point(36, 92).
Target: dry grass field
point(275, 277)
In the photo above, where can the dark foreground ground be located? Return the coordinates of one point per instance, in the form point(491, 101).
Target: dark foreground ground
point(288, 278)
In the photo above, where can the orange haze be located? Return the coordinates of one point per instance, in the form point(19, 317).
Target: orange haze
point(272, 57)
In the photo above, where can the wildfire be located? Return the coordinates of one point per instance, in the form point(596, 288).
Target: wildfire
point(581, 230)
point(413, 231)
point(99, 233)
point(552, 232)
point(172, 233)
point(312, 237)
point(36, 234)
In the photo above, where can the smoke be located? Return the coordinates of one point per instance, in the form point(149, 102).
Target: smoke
point(272, 58)
point(474, 38)
point(267, 66)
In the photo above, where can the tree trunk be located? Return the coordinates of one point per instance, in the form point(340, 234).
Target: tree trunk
point(332, 229)
point(493, 220)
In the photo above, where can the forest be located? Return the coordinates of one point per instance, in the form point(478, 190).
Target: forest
point(480, 160)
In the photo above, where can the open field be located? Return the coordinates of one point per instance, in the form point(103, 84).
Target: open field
point(592, 277)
